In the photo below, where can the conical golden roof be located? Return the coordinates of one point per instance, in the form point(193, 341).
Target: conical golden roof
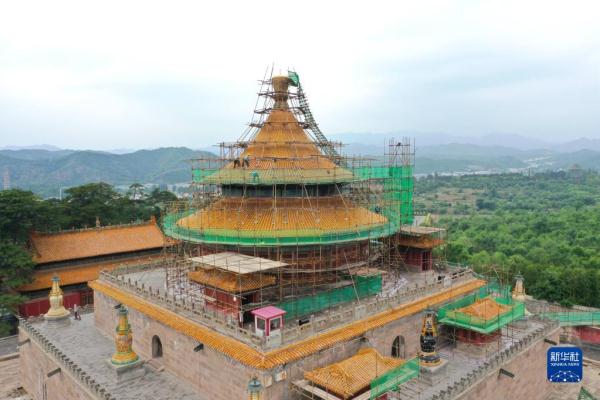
point(281, 151)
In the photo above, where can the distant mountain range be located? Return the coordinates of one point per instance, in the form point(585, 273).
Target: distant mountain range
point(426, 139)
point(45, 169)
point(437, 152)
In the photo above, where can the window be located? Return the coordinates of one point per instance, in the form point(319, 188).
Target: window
point(276, 324)
point(398, 347)
point(260, 324)
point(157, 350)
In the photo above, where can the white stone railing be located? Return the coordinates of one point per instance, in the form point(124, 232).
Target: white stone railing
point(321, 322)
point(92, 387)
point(357, 310)
point(196, 312)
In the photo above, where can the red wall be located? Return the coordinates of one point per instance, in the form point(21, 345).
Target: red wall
point(224, 302)
point(588, 334)
point(35, 307)
point(421, 258)
point(467, 336)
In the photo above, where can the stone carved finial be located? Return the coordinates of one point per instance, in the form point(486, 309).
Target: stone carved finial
point(124, 354)
point(57, 310)
point(428, 355)
point(519, 291)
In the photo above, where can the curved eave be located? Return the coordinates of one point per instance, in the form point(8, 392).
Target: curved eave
point(266, 238)
point(228, 176)
point(270, 177)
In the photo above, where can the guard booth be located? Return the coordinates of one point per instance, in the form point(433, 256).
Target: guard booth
point(268, 321)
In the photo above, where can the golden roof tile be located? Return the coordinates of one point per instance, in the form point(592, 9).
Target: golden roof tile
point(282, 216)
point(485, 308)
point(42, 279)
point(230, 281)
point(351, 376)
point(94, 242)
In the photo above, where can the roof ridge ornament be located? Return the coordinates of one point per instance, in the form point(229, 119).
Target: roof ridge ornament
point(280, 92)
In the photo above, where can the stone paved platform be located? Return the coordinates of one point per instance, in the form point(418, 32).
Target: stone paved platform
point(89, 348)
point(460, 364)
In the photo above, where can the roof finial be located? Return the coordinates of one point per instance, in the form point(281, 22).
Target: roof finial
point(280, 92)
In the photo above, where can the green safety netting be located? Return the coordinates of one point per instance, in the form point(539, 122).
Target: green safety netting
point(364, 286)
point(574, 318)
point(449, 315)
point(394, 378)
point(494, 288)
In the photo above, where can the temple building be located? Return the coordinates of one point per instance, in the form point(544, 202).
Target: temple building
point(78, 256)
point(295, 272)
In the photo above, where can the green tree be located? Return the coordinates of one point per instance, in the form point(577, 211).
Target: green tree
point(85, 203)
point(159, 200)
point(18, 212)
point(16, 269)
point(136, 192)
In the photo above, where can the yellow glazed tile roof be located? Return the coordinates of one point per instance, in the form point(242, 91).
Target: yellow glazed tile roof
point(252, 357)
point(352, 375)
point(94, 242)
point(282, 150)
point(42, 279)
point(485, 308)
point(282, 216)
point(231, 282)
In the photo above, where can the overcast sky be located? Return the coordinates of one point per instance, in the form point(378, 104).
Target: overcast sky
point(124, 74)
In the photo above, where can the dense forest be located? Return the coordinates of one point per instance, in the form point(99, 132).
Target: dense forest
point(544, 226)
point(22, 212)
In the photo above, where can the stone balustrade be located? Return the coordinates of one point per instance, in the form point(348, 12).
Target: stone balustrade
point(327, 319)
point(66, 364)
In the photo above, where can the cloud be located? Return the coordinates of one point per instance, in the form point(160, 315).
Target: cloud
point(144, 74)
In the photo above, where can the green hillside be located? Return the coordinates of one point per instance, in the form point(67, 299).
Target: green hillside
point(45, 172)
point(46, 175)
